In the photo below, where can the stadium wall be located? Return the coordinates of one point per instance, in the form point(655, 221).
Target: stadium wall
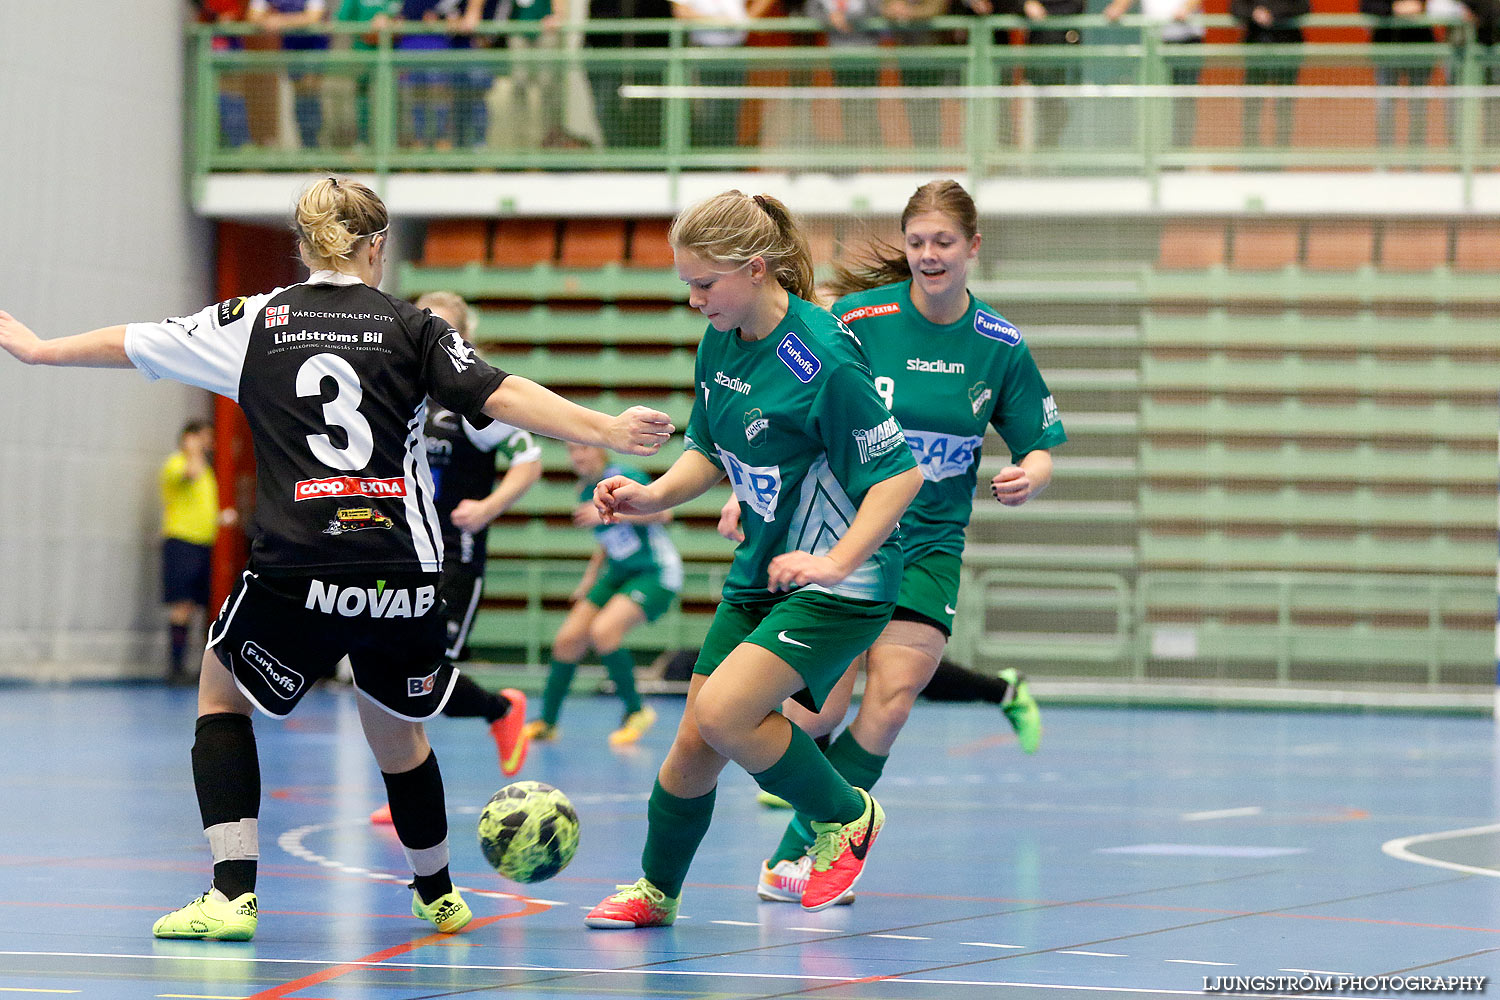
point(97, 230)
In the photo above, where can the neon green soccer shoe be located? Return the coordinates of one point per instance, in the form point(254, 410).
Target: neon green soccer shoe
point(211, 917)
point(448, 913)
point(1021, 710)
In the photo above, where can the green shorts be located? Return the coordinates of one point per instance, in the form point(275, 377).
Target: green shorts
point(929, 587)
point(644, 589)
point(817, 634)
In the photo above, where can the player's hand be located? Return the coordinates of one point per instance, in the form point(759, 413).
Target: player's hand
point(639, 430)
point(16, 338)
point(619, 495)
point(791, 570)
point(586, 515)
point(729, 521)
point(1012, 486)
point(471, 516)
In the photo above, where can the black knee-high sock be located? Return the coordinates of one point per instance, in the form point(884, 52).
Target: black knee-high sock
point(226, 775)
point(470, 701)
point(955, 683)
point(178, 637)
point(420, 816)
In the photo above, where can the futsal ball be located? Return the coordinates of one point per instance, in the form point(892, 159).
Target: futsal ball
point(528, 831)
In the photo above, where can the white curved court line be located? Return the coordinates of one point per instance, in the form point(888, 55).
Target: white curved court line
point(1398, 849)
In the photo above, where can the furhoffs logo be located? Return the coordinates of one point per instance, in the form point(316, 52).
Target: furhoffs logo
point(995, 328)
point(280, 678)
point(795, 355)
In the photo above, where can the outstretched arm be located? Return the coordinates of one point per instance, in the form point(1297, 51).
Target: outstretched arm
point(474, 515)
point(690, 476)
point(102, 348)
point(523, 403)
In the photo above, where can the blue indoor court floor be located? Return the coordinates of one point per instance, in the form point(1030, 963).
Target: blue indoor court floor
point(1141, 853)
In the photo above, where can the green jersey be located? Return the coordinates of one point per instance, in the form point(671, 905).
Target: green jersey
point(795, 422)
point(944, 384)
point(632, 548)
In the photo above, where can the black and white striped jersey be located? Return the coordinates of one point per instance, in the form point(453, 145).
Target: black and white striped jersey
point(333, 377)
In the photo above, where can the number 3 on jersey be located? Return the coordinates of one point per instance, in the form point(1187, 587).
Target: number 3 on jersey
point(341, 411)
point(885, 388)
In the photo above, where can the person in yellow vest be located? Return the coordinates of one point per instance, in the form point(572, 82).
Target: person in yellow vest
point(189, 524)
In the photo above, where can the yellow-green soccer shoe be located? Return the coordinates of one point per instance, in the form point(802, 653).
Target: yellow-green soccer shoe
point(211, 917)
point(448, 913)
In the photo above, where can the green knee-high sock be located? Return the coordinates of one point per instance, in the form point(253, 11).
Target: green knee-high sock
point(805, 778)
point(559, 679)
point(621, 667)
point(674, 829)
point(859, 767)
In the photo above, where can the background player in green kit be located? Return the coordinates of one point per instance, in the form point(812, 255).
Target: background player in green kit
point(634, 576)
point(785, 406)
point(947, 366)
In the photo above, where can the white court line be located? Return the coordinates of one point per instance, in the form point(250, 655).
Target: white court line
point(1398, 849)
point(991, 944)
point(900, 937)
point(735, 923)
point(1194, 961)
point(1095, 954)
point(1194, 817)
point(819, 930)
point(659, 972)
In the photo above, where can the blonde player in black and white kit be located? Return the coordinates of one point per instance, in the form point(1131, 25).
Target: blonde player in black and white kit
point(332, 375)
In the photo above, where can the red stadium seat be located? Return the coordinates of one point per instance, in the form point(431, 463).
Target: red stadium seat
point(592, 242)
point(1414, 246)
point(1265, 246)
point(1339, 246)
point(648, 244)
point(455, 242)
point(1192, 246)
point(1477, 248)
point(524, 242)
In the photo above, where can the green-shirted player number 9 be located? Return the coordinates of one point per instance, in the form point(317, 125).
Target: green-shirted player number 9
point(341, 411)
point(885, 388)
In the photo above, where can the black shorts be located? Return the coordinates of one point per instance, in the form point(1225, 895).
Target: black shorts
point(186, 570)
point(277, 635)
point(463, 586)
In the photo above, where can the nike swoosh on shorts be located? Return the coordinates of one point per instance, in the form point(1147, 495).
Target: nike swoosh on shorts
point(950, 609)
point(790, 641)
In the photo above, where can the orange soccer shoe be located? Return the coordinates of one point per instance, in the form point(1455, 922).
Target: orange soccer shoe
point(509, 731)
point(838, 855)
point(639, 905)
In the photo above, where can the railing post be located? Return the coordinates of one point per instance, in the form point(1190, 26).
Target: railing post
point(980, 117)
point(382, 104)
point(1152, 71)
point(204, 109)
point(678, 108)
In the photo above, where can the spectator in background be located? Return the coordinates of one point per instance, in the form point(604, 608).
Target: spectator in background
point(1399, 74)
point(844, 22)
point(1176, 22)
point(234, 112)
point(715, 120)
point(348, 97)
point(627, 122)
point(925, 113)
point(471, 86)
point(426, 95)
point(288, 15)
point(1052, 112)
point(1272, 22)
point(1484, 17)
point(538, 89)
point(190, 521)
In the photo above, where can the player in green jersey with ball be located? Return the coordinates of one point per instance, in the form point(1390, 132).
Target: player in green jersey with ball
point(946, 366)
point(785, 406)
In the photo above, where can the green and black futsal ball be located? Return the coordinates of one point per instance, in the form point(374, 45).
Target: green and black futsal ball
point(528, 831)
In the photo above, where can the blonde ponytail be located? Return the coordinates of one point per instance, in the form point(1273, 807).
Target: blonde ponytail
point(732, 228)
point(333, 214)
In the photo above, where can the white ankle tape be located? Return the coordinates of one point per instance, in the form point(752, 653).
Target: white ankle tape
point(235, 841)
point(429, 860)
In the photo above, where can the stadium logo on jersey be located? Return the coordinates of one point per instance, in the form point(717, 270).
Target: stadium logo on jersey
point(979, 395)
point(942, 456)
point(731, 382)
point(938, 367)
point(756, 426)
point(882, 439)
point(459, 352)
point(995, 328)
point(1049, 413)
point(231, 309)
point(757, 486)
point(278, 315)
point(378, 601)
point(866, 312)
point(417, 687)
point(348, 486)
point(282, 679)
point(357, 519)
point(795, 355)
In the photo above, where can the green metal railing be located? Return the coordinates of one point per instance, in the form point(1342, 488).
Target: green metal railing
point(1102, 107)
